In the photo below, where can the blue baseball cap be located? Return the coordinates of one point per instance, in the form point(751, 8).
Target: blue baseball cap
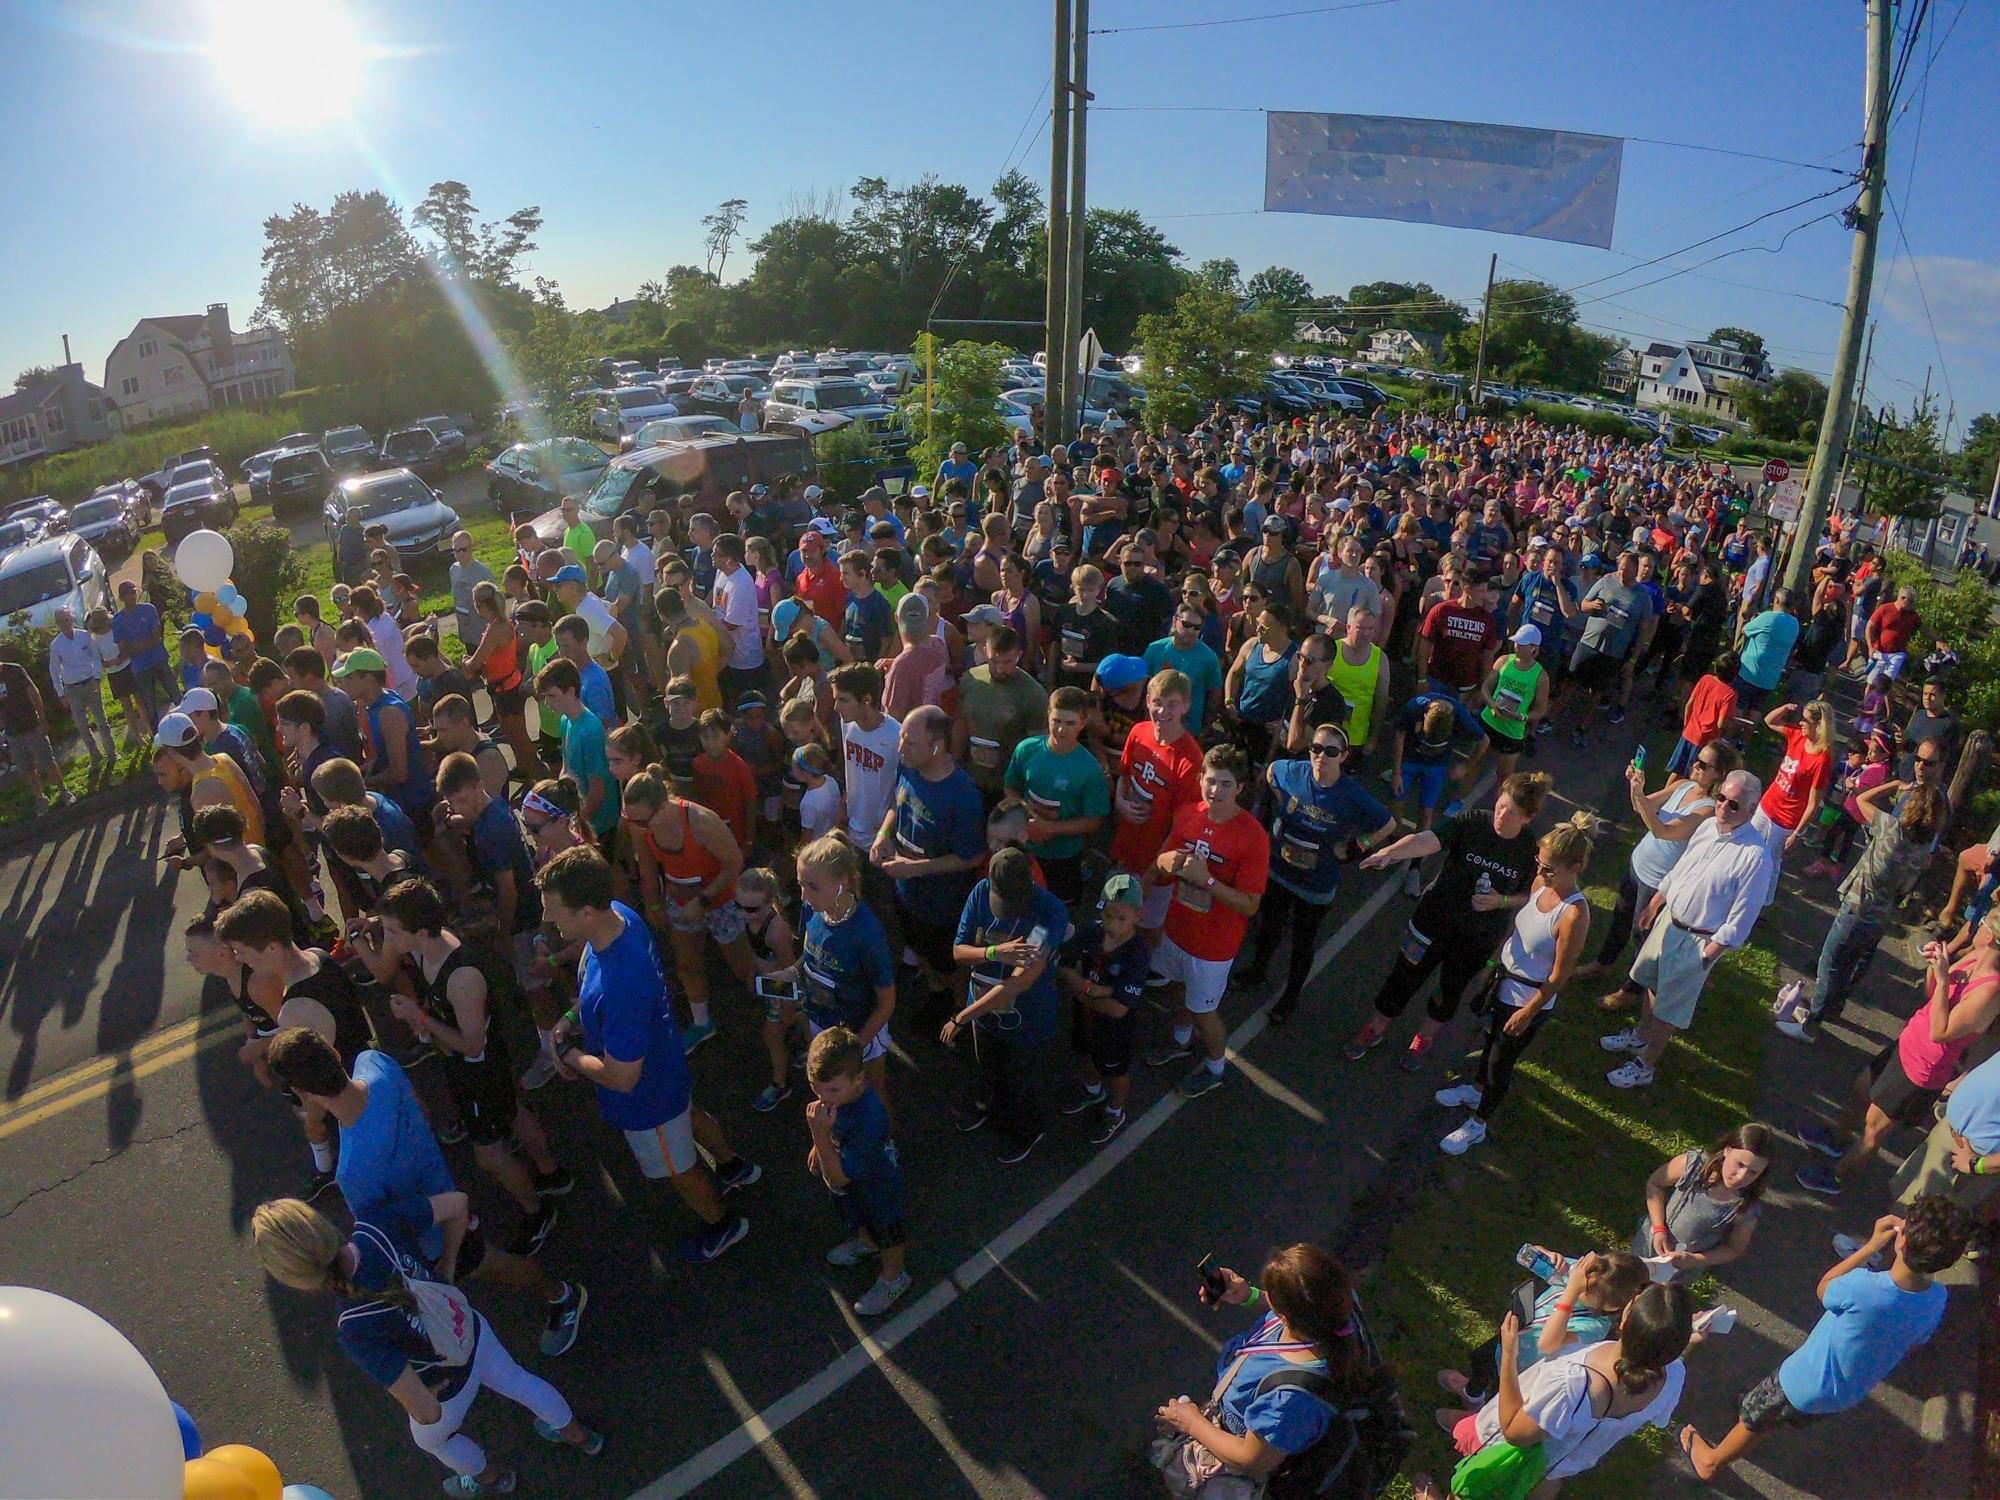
point(570, 573)
point(1120, 672)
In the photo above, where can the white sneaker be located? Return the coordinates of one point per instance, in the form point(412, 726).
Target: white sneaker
point(1794, 1026)
point(850, 1252)
point(1788, 998)
point(1463, 1139)
point(882, 1296)
point(1459, 1095)
point(1413, 884)
point(1623, 1041)
point(1634, 1075)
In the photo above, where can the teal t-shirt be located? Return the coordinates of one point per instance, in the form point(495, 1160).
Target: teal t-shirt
point(1059, 787)
point(584, 757)
point(1204, 672)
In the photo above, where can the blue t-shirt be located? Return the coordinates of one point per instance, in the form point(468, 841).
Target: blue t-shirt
point(497, 847)
point(586, 756)
point(868, 624)
point(385, 1338)
point(1123, 970)
point(627, 1015)
point(843, 965)
point(868, 1157)
point(399, 834)
point(1037, 1008)
point(1202, 667)
point(951, 468)
point(1869, 1324)
point(935, 819)
point(595, 691)
point(389, 1154)
point(1058, 788)
point(1541, 608)
point(138, 623)
point(1417, 750)
point(1307, 822)
point(1767, 645)
point(1290, 1420)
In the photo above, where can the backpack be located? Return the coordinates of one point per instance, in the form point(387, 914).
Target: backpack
point(447, 1318)
point(1366, 1444)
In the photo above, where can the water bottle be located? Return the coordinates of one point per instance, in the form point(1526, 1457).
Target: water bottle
point(1485, 885)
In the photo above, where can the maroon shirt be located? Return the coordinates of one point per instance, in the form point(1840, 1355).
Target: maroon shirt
point(1461, 639)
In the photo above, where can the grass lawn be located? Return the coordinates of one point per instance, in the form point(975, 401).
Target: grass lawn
point(1566, 1167)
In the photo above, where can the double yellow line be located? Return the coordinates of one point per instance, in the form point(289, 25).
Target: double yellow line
point(93, 1080)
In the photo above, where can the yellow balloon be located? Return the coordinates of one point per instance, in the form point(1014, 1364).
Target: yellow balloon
point(205, 1479)
point(207, 603)
point(253, 1466)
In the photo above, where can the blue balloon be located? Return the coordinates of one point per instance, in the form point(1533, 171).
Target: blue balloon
point(213, 635)
point(190, 1436)
point(304, 1492)
point(202, 620)
point(232, 596)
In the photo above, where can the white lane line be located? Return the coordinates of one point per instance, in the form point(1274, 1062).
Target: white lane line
point(694, 1472)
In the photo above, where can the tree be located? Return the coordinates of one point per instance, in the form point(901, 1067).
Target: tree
point(1202, 350)
point(1130, 270)
point(1280, 286)
point(1980, 456)
point(1752, 343)
point(1782, 411)
point(34, 375)
point(1533, 336)
point(1220, 274)
point(549, 355)
point(723, 226)
point(1415, 305)
point(1914, 489)
point(959, 405)
point(470, 248)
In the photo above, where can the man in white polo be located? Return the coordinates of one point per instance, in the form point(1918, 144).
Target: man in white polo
point(1706, 907)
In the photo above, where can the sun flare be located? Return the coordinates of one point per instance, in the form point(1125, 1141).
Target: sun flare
point(290, 63)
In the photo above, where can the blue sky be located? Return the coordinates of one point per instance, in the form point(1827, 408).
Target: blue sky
point(137, 178)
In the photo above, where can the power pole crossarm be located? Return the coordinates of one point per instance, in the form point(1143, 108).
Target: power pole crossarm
point(1485, 317)
point(1839, 414)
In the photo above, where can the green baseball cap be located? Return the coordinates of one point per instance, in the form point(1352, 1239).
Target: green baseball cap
point(1124, 888)
point(361, 659)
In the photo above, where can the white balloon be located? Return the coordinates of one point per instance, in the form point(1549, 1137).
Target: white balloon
point(204, 560)
point(82, 1415)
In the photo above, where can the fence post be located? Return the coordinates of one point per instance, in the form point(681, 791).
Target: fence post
point(1965, 781)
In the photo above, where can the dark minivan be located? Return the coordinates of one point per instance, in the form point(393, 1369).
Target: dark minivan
point(694, 475)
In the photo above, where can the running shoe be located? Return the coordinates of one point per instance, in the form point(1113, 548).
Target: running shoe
point(967, 1118)
point(590, 1447)
point(1017, 1151)
point(1169, 1051)
point(1817, 1177)
point(1634, 1075)
point(466, 1486)
point(540, 1071)
point(557, 1184)
point(451, 1132)
point(1459, 1096)
point(851, 1252)
point(1463, 1139)
point(565, 1318)
point(533, 1232)
point(1818, 1138)
point(1201, 1079)
point(695, 1035)
point(1623, 1041)
point(1366, 1040)
point(774, 1094)
point(317, 1184)
point(1615, 715)
point(1799, 1030)
point(882, 1296)
point(1085, 1099)
point(1547, 726)
point(1110, 1125)
point(740, 1173)
point(1453, 808)
point(705, 1245)
point(1416, 1054)
point(1283, 1010)
point(1845, 1245)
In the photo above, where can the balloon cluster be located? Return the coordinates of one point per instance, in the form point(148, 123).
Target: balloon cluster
point(203, 562)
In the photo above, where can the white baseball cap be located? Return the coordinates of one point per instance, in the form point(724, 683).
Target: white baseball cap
point(199, 700)
point(1527, 635)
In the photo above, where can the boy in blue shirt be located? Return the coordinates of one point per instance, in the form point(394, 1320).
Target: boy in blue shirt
point(1872, 1319)
point(853, 1154)
point(1104, 970)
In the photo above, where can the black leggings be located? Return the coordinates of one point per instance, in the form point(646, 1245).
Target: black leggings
point(1624, 913)
point(1482, 1369)
point(1279, 909)
point(1498, 1056)
point(1840, 841)
point(1456, 960)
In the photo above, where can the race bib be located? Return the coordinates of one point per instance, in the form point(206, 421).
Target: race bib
point(1299, 854)
point(1507, 703)
point(985, 752)
point(1043, 808)
point(1542, 610)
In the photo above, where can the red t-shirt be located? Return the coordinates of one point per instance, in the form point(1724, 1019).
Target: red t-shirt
point(1239, 855)
point(1460, 640)
point(1801, 771)
point(823, 589)
point(1710, 707)
point(1893, 626)
point(727, 787)
point(1168, 777)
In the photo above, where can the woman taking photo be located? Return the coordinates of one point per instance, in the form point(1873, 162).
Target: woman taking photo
point(386, 1332)
point(1701, 1207)
point(1308, 1320)
point(1549, 932)
point(1580, 1305)
point(1578, 1406)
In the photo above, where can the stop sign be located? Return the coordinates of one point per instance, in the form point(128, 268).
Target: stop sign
point(1777, 471)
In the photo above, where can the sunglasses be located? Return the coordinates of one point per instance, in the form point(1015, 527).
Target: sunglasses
point(1930, 760)
point(1328, 748)
point(1706, 765)
point(1731, 803)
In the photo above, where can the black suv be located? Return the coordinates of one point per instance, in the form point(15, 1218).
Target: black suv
point(300, 477)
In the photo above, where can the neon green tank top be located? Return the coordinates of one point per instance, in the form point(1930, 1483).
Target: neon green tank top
point(1513, 696)
point(1357, 686)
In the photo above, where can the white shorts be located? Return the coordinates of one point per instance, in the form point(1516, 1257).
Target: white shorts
point(879, 1048)
point(666, 1150)
point(1889, 663)
point(1204, 978)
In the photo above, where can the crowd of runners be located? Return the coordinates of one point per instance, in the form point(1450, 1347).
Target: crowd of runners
point(1049, 764)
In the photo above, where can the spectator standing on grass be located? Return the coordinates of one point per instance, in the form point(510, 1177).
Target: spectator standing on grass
point(1764, 651)
point(1872, 1319)
point(76, 672)
point(136, 628)
point(1702, 1206)
point(467, 573)
point(1580, 1305)
point(26, 721)
point(350, 546)
point(1889, 632)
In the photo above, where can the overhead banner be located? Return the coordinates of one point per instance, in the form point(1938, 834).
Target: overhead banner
point(1552, 184)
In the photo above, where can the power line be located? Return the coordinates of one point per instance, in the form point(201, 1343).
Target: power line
point(1938, 47)
point(1276, 15)
point(1909, 46)
point(1903, 242)
point(951, 275)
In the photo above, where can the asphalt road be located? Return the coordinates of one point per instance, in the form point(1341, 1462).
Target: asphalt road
point(1051, 1308)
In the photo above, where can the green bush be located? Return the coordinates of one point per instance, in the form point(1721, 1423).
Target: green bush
point(269, 571)
point(28, 646)
point(848, 458)
point(1596, 423)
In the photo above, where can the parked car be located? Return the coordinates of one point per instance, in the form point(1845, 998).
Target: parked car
point(420, 523)
point(790, 398)
point(720, 395)
point(203, 503)
point(1372, 396)
point(44, 511)
point(702, 472)
point(349, 449)
point(1019, 417)
point(300, 477)
point(256, 472)
point(628, 409)
point(161, 480)
point(109, 519)
point(678, 430)
point(416, 449)
point(450, 435)
point(38, 580)
point(535, 476)
point(18, 534)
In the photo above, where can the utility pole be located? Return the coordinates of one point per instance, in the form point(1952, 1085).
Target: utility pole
point(1485, 316)
point(1074, 261)
point(1867, 214)
point(1058, 338)
point(1860, 404)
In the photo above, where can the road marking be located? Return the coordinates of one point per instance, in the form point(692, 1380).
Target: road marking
point(692, 1473)
point(128, 1068)
point(82, 1073)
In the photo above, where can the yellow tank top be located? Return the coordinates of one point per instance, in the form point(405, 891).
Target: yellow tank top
point(1357, 686)
point(223, 772)
point(708, 665)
